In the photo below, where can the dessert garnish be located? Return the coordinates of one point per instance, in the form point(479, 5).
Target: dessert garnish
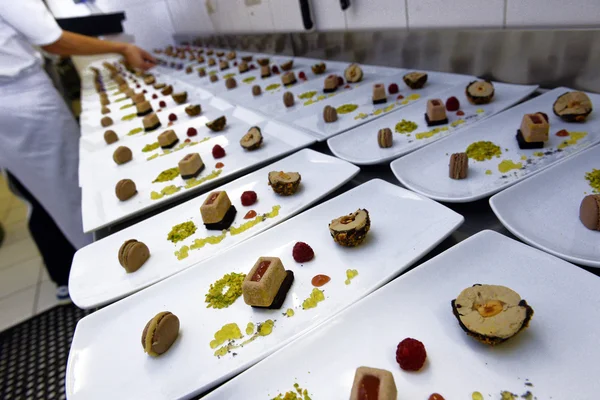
point(346, 108)
point(452, 104)
point(217, 211)
point(218, 151)
point(350, 274)
point(192, 132)
point(393, 88)
point(267, 283)
point(167, 175)
point(411, 354)
point(181, 231)
point(302, 252)
point(218, 297)
point(483, 150)
point(405, 126)
point(248, 198)
point(316, 296)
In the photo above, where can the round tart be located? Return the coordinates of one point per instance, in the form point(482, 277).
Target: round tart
point(480, 92)
point(353, 73)
point(492, 314)
point(573, 106)
point(350, 230)
point(252, 140)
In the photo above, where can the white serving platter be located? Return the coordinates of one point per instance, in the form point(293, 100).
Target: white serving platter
point(97, 278)
point(359, 145)
point(100, 206)
point(543, 211)
point(417, 305)
point(311, 118)
point(106, 356)
point(426, 170)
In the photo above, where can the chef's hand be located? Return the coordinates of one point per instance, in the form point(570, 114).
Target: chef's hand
point(138, 58)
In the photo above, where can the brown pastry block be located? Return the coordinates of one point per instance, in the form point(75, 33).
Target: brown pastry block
point(330, 84)
point(243, 67)
point(190, 165)
point(214, 78)
point(123, 87)
point(201, 72)
point(215, 207)
point(129, 93)
point(211, 62)
point(436, 110)
point(263, 281)
point(534, 128)
point(110, 136)
point(104, 101)
point(368, 381)
point(125, 189)
point(230, 83)
point(159, 86)
point(265, 71)
point(379, 95)
point(143, 108)
point(151, 122)
point(223, 65)
point(138, 98)
point(289, 78)
point(133, 254)
point(122, 155)
point(167, 138)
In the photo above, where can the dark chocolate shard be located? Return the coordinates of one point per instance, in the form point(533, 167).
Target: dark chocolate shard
point(435, 123)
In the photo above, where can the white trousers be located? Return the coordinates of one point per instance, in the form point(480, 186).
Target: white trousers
point(39, 144)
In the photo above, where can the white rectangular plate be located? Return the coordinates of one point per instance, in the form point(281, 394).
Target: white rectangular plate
point(101, 207)
point(544, 210)
point(417, 305)
point(312, 120)
point(106, 356)
point(426, 170)
point(359, 145)
point(97, 278)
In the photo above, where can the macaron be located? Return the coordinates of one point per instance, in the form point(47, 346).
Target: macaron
point(122, 155)
point(125, 189)
point(133, 254)
point(589, 212)
point(160, 333)
point(110, 136)
point(106, 121)
point(459, 166)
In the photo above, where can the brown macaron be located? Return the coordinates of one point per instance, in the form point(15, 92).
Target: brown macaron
point(125, 189)
point(329, 114)
point(110, 136)
point(288, 99)
point(230, 83)
point(459, 166)
point(589, 212)
point(160, 333)
point(104, 100)
point(106, 121)
point(385, 138)
point(214, 78)
point(133, 254)
point(105, 110)
point(256, 90)
point(122, 155)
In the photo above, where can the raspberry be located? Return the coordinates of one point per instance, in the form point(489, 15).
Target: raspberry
point(252, 66)
point(302, 252)
point(436, 396)
point(172, 117)
point(302, 75)
point(411, 354)
point(154, 96)
point(192, 132)
point(340, 81)
point(218, 151)
point(137, 86)
point(162, 104)
point(144, 91)
point(393, 88)
point(275, 69)
point(248, 198)
point(235, 63)
point(452, 104)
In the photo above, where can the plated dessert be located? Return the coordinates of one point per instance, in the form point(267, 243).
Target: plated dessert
point(353, 73)
point(217, 211)
point(318, 68)
point(459, 166)
point(288, 99)
point(379, 95)
point(534, 131)
point(190, 166)
point(218, 124)
point(151, 122)
point(415, 80)
point(329, 114)
point(253, 139)
point(110, 136)
point(133, 254)
point(160, 333)
point(351, 230)
point(589, 212)
point(284, 183)
point(267, 284)
point(373, 384)
point(168, 139)
point(480, 92)
point(436, 113)
point(122, 155)
point(125, 189)
point(573, 106)
point(385, 138)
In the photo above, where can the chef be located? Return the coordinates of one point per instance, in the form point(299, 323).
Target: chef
point(39, 139)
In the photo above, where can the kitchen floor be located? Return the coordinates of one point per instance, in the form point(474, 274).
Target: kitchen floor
point(25, 288)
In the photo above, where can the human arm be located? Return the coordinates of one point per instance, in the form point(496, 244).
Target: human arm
point(70, 43)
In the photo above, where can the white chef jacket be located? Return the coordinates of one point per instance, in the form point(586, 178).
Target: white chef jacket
point(39, 138)
point(24, 23)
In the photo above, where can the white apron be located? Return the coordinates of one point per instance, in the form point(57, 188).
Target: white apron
point(39, 144)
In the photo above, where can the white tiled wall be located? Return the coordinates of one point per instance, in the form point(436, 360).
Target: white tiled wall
point(154, 21)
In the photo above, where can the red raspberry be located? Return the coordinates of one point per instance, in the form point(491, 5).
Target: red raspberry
point(452, 104)
point(302, 252)
point(235, 63)
point(218, 151)
point(162, 104)
point(144, 91)
point(436, 396)
point(192, 132)
point(340, 81)
point(275, 69)
point(411, 354)
point(302, 75)
point(137, 86)
point(249, 198)
point(172, 117)
point(393, 88)
point(154, 96)
point(252, 66)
